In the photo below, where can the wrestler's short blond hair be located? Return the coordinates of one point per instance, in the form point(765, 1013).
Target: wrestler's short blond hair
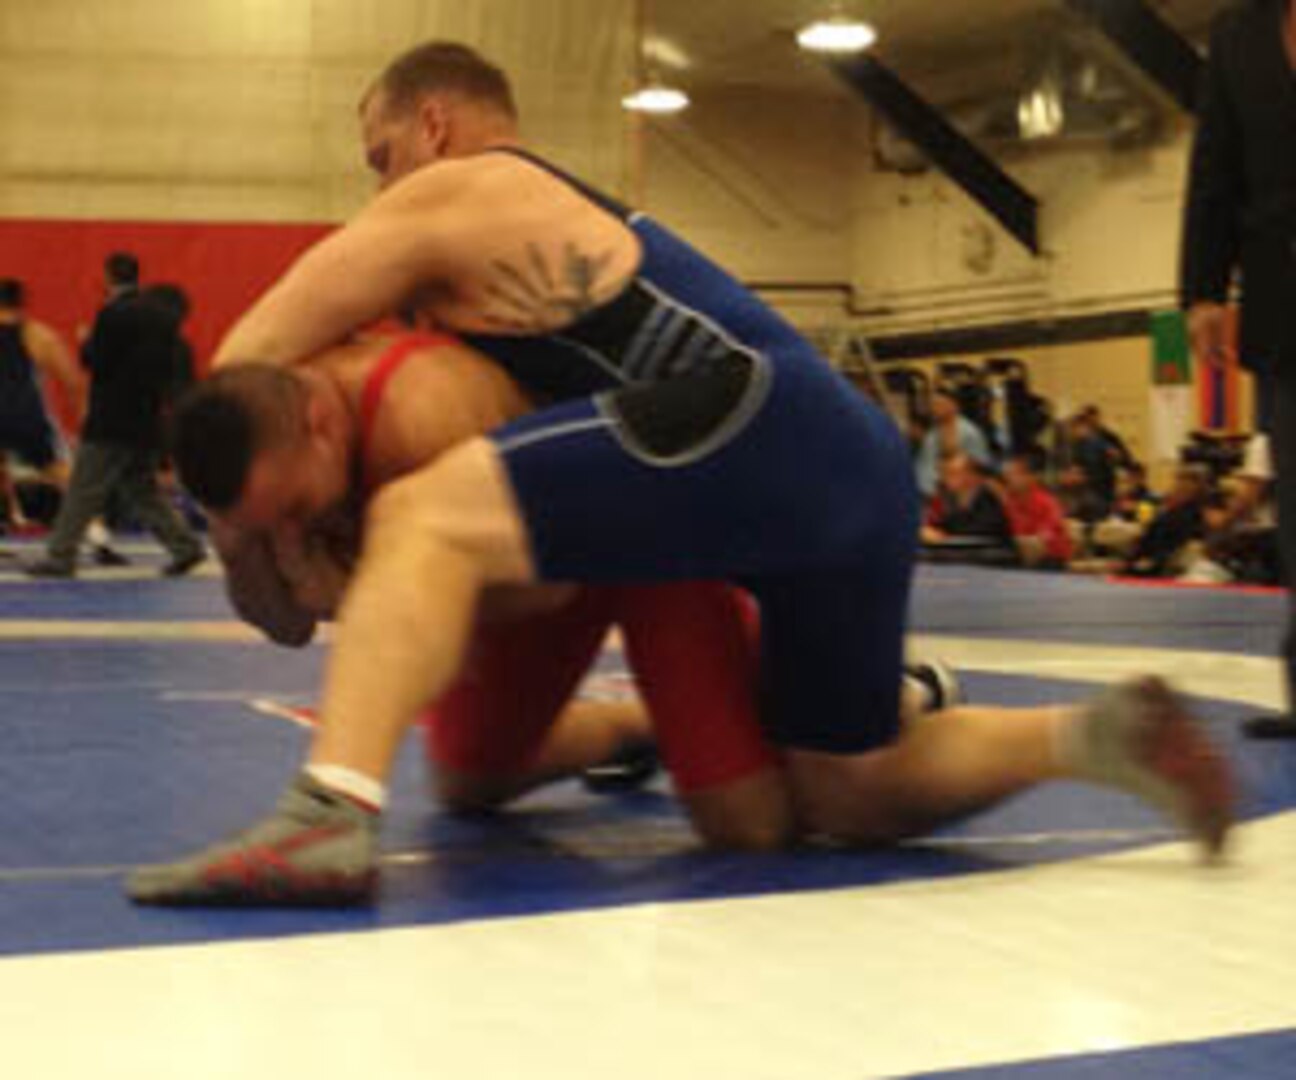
point(440, 66)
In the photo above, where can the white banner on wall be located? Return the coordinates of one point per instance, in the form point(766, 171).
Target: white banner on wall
point(1173, 419)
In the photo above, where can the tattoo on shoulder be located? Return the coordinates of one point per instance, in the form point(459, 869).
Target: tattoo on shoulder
point(540, 291)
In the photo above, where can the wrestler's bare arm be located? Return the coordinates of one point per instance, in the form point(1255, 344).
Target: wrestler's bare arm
point(361, 273)
point(53, 358)
point(490, 245)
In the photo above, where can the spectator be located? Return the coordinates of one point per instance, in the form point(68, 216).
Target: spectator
point(1079, 500)
point(1134, 500)
point(1180, 522)
point(1038, 524)
point(30, 350)
point(1241, 219)
point(1241, 526)
point(175, 302)
point(1092, 453)
point(1117, 452)
point(950, 433)
point(131, 355)
point(966, 521)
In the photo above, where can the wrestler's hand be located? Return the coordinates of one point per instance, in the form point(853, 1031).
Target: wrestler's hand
point(316, 579)
point(256, 587)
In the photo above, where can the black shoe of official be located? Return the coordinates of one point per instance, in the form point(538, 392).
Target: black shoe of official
point(180, 566)
point(103, 555)
point(629, 769)
point(49, 568)
point(1270, 728)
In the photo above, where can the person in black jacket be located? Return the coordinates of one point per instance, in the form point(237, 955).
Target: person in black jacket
point(131, 354)
point(1241, 218)
point(966, 521)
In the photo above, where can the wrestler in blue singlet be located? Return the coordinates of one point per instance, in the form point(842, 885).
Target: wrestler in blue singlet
point(25, 429)
point(695, 434)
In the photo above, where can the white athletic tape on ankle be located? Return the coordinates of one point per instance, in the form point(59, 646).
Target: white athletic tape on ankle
point(346, 781)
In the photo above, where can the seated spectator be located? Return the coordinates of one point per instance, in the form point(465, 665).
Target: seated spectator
point(1179, 523)
point(1079, 500)
point(966, 522)
point(1117, 452)
point(1038, 524)
point(1134, 501)
point(950, 433)
point(1089, 451)
point(1241, 541)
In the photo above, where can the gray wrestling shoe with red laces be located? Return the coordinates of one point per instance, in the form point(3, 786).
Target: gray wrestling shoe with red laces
point(318, 849)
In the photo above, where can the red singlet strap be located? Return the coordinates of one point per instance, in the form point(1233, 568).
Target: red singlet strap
point(375, 386)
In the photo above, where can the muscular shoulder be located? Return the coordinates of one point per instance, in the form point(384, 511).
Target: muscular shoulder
point(442, 395)
point(40, 338)
point(493, 189)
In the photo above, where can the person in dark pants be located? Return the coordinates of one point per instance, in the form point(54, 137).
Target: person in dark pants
point(1241, 218)
point(131, 354)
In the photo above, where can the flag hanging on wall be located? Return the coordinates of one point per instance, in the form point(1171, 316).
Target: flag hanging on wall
point(1171, 404)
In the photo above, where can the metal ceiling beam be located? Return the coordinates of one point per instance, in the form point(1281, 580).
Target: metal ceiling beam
point(1015, 208)
point(1163, 54)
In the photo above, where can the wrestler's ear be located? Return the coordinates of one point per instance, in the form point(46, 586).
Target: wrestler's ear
point(434, 124)
point(317, 417)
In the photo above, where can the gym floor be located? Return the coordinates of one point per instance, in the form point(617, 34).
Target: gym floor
point(1067, 934)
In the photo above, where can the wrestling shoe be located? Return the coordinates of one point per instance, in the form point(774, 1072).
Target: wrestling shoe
point(103, 555)
point(931, 686)
point(629, 769)
point(1139, 737)
point(1270, 728)
point(49, 568)
point(318, 849)
point(183, 564)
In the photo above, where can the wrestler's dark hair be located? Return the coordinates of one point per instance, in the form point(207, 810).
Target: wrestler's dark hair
point(222, 425)
point(437, 66)
point(12, 293)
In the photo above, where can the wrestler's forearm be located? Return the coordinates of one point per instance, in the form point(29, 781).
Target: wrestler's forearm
point(357, 275)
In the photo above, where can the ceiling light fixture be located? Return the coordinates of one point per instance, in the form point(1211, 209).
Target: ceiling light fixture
point(837, 35)
point(657, 99)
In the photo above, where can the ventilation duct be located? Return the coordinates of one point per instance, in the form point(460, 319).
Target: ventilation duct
point(1072, 89)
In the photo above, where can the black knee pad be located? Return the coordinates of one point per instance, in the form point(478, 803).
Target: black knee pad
point(687, 417)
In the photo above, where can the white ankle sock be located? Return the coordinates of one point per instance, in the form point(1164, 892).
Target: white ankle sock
point(355, 785)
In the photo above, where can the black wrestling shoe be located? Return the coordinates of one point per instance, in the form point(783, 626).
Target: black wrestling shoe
point(1270, 728)
point(629, 769)
point(49, 568)
point(103, 555)
point(937, 685)
point(179, 567)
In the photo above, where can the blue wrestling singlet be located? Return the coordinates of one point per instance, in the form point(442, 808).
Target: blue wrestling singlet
point(25, 429)
point(694, 434)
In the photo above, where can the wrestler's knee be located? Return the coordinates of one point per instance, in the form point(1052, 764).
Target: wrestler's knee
point(845, 798)
point(752, 814)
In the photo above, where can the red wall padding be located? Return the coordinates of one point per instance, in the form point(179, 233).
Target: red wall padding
point(223, 267)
